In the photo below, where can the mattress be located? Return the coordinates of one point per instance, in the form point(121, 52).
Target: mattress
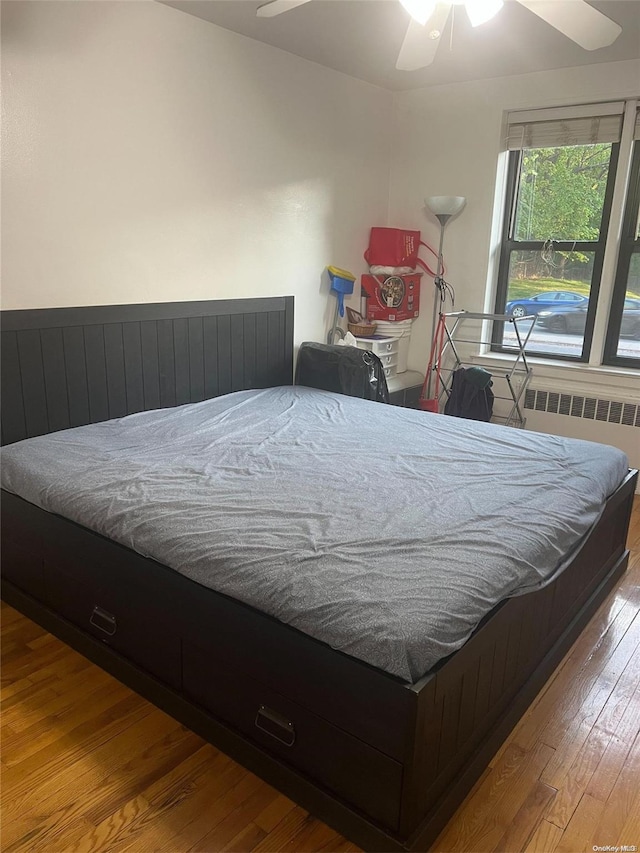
point(386, 533)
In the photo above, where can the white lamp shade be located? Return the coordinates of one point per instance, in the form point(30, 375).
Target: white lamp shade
point(445, 205)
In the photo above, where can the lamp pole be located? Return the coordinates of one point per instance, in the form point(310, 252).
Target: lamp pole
point(443, 208)
point(437, 298)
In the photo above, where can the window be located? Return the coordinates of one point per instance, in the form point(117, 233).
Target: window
point(563, 200)
point(623, 339)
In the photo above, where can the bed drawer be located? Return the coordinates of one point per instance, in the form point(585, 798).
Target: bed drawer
point(22, 546)
point(349, 768)
point(123, 617)
point(22, 566)
point(370, 705)
point(121, 614)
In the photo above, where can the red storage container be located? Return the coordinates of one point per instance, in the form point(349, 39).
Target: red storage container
point(392, 297)
point(392, 247)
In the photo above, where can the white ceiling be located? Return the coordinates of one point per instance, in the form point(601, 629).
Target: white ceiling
point(362, 38)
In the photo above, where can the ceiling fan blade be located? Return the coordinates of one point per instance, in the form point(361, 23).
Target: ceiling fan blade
point(421, 42)
point(577, 20)
point(276, 7)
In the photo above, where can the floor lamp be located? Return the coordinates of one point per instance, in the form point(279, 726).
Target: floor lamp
point(443, 207)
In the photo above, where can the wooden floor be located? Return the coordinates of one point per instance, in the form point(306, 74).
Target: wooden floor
point(88, 766)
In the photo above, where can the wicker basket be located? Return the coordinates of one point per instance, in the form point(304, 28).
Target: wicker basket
point(362, 330)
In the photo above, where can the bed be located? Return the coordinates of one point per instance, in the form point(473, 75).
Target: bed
point(375, 731)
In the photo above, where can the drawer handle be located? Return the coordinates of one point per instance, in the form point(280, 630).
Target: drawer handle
point(274, 724)
point(103, 621)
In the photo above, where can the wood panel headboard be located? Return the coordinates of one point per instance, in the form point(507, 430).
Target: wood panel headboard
point(65, 367)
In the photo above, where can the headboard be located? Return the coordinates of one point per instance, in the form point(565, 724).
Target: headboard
point(64, 367)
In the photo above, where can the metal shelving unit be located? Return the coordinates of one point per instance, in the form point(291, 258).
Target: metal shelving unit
point(512, 381)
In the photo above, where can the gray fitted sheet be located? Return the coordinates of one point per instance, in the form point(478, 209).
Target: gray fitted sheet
point(386, 533)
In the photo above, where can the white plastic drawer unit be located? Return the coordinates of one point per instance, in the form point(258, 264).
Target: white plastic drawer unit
point(379, 344)
point(389, 359)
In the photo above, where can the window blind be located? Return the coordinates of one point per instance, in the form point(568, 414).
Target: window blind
point(573, 126)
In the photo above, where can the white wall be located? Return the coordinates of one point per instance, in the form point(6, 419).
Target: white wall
point(150, 156)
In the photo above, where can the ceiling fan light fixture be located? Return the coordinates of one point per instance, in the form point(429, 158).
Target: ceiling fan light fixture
point(420, 10)
point(481, 11)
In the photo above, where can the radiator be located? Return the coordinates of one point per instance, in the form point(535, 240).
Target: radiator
point(576, 406)
point(610, 421)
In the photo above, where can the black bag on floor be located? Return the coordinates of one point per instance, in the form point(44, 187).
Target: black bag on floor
point(471, 395)
point(343, 369)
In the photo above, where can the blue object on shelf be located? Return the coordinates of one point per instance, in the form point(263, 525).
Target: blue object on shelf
point(342, 284)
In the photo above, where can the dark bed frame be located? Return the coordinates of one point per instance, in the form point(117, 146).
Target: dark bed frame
point(384, 762)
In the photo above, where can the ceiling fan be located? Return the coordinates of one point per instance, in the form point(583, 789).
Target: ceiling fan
point(575, 19)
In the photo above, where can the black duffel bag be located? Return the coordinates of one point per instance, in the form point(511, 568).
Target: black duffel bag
point(343, 369)
point(471, 395)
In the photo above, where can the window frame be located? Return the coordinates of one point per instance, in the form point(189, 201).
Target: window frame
point(628, 246)
point(508, 245)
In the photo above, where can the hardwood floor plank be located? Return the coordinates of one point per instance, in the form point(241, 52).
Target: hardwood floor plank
point(106, 798)
point(527, 819)
point(41, 642)
point(497, 823)
point(46, 699)
point(311, 836)
point(8, 616)
point(59, 670)
point(32, 844)
point(563, 702)
point(56, 807)
point(545, 838)
point(13, 689)
point(280, 836)
point(493, 808)
point(241, 806)
point(472, 812)
point(16, 708)
point(87, 771)
point(194, 805)
point(60, 713)
point(631, 828)
point(568, 737)
point(583, 826)
point(203, 766)
point(21, 631)
point(342, 846)
point(622, 695)
point(246, 839)
point(620, 802)
point(573, 679)
point(574, 782)
point(119, 826)
point(17, 669)
point(271, 816)
point(143, 770)
point(613, 760)
point(44, 767)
